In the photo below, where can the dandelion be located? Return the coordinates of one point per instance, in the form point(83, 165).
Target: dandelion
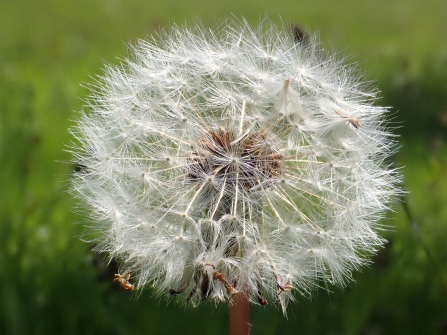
point(236, 161)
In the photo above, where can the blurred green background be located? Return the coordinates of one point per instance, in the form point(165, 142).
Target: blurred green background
point(51, 283)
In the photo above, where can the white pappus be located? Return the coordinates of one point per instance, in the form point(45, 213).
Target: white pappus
point(234, 161)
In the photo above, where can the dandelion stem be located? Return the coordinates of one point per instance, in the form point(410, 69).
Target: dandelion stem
point(240, 315)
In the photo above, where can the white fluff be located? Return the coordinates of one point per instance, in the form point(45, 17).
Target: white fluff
point(293, 202)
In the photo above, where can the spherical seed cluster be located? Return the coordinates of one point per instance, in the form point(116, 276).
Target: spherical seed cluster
point(239, 160)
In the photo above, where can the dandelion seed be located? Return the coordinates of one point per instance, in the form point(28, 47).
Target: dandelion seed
point(234, 161)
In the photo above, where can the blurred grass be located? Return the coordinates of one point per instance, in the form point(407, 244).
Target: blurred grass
point(50, 283)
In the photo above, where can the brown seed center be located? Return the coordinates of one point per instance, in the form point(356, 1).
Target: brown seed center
point(248, 163)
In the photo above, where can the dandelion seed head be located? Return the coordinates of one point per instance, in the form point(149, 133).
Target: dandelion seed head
point(235, 160)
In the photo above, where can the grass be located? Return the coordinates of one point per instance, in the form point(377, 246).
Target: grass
point(52, 283)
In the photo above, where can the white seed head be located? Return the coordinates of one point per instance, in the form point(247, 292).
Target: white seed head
point(237, 160)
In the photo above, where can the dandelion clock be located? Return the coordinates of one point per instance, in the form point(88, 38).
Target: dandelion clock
point(234, 162)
